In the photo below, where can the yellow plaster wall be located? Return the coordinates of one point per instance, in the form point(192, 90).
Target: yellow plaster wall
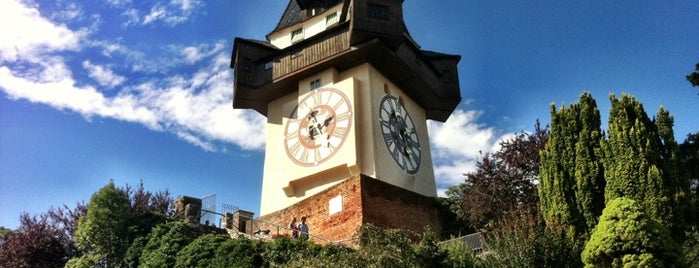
point(364, 151)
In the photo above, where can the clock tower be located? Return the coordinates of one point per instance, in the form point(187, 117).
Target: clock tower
point(346, 92)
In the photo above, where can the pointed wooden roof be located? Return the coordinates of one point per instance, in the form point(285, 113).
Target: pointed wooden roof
point(294, 11)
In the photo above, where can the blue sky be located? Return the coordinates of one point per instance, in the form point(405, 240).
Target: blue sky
point(141, 90)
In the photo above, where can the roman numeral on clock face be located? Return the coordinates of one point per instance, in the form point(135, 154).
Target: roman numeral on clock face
point(324, 121)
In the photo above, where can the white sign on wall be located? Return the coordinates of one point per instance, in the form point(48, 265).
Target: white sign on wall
point(335, 205)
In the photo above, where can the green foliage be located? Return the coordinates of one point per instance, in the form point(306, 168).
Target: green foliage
point(164, 242)
point(429, 254)
point(133, 253)
point(689, 166)
point(201, 252)
point(460, 255)
point(86, 261)
point(640, 162)
point(282, 250)
point(103, 230)
point(4, 232)
point(386, 247)
point(693, 77)
point(240, 253)
point(691, 248)
point(627, 237)
point(572, 181)
point(525, 241)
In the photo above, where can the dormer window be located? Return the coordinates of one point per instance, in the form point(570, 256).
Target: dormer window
point(331, 19)
point(297, 35)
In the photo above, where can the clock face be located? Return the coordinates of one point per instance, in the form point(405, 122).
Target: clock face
point(399, 134)
point(318, 127)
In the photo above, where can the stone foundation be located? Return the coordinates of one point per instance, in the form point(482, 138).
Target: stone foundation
point(336, 214)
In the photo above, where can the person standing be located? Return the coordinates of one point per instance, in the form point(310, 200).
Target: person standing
point(303, 228)
point(294, 228)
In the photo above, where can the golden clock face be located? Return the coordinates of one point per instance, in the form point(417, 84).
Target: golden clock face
point(399, 134)
point(318, 127)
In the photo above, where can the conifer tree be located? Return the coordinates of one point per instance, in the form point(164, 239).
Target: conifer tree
point(676, 184)
point(637, 164)
point(572, 175)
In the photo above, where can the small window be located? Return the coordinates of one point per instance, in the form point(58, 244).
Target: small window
point(297, 35)
point(377, 11)
point(269, 65)
point(331, 19)
point(316, 84)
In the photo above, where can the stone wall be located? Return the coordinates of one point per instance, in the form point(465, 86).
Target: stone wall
point(363, 200)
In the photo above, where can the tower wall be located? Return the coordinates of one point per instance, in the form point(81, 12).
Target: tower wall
point(364, 200)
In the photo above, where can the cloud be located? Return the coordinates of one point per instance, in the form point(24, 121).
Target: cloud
point(170, 13)
point(194, 106)
point(28, 35)
point(457, 145)
point(193, 54)
point(104, 76)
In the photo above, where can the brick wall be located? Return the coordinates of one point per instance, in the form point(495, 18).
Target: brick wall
point(390, 206)
point(364, 200)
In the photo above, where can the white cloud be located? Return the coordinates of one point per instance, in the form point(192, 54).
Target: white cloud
point(172, 13)
point(70, 12)
point(104, 76)
point(193, 54)
point(28, 35)
point(132, 17)
point(458, 144)
point(194, 107)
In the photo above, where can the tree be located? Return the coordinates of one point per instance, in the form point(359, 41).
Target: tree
point(103, 230)
point(694, 76)
point(676, 186)
point(504, 181)
point(638, 165)
point(45, 240)
point(628, 237)
point(572, 175)
point(689, 164)
point(37, 243)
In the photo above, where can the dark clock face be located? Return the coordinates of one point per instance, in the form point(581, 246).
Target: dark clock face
point(399, 134)
point(318, 127)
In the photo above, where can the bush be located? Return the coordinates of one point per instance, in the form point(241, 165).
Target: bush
point(240, 252)
point(525, 241)
point(164, 242)
point(626, 236)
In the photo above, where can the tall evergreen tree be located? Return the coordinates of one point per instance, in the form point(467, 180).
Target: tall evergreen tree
point(637, 163)
point(675, 184)
point(689, 165)
point(572, 175)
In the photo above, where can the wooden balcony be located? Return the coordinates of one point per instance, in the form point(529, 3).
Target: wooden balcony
point(264, 73)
